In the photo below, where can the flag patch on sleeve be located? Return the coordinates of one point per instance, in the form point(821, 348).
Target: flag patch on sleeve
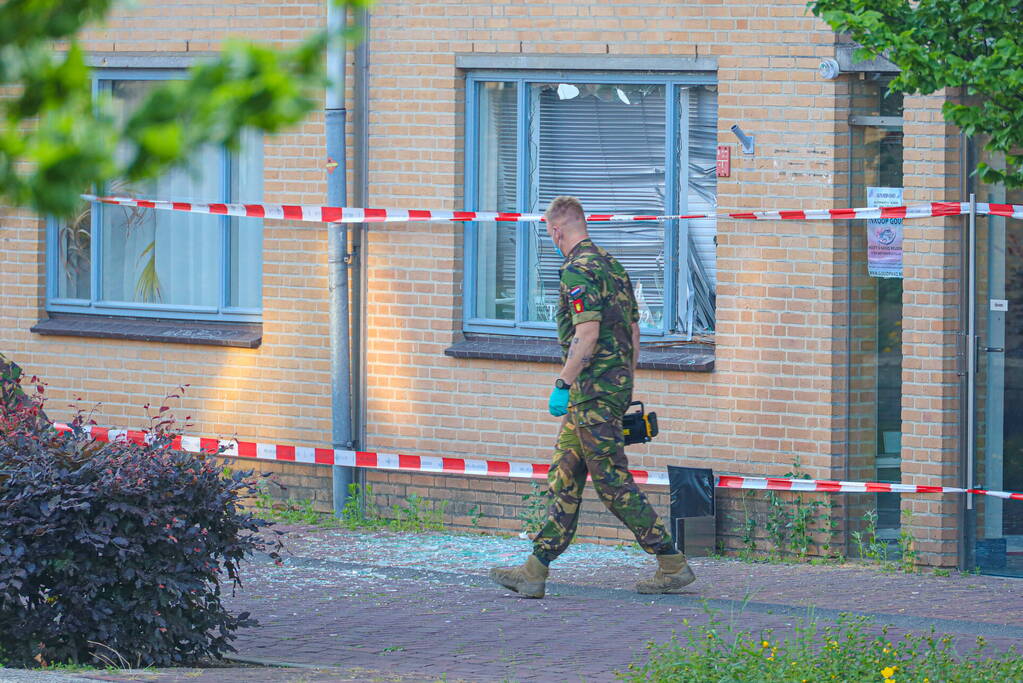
point(575, 292)
point(578, 306)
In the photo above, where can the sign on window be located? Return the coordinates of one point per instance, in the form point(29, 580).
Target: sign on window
point(884, 235)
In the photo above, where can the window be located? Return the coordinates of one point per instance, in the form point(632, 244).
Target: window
point(622, 144)
point(127, 261)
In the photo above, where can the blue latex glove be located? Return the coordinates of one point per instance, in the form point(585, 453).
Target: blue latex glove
point(558, 402)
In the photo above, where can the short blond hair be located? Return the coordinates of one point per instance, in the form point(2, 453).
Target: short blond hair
point(566, 209)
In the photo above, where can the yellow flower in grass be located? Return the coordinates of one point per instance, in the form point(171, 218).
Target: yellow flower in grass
point(764, 643)
point(888, 672)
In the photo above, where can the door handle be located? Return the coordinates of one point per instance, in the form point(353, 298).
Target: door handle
point(994, 349)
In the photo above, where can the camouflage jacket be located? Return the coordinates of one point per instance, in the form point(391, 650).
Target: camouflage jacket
point(594, 286)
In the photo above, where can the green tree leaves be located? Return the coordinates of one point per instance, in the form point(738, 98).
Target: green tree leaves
point(27, 22)
point(974, 47)
point(57, 140)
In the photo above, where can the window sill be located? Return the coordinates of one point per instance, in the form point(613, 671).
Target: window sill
point(242, 335)
point(683, 357)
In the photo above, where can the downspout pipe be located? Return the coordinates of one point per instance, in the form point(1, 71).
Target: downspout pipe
point(967, 515)
point(360, 197)
point(337, 255)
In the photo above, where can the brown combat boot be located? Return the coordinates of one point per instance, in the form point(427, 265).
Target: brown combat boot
point(673, 572)
point(528, 580)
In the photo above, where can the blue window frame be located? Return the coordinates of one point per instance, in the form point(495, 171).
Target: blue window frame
point(622, 143)
point(115, 260)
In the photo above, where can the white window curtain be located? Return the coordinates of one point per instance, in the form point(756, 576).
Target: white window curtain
point(245, 237)
point(699, 186)
point(605, 144)
point(165, 257)
point(496, 242)
point(168, 259)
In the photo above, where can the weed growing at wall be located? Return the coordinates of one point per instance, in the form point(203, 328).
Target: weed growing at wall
point(907, 544)
point(534, 510)
point(889, 556)
point(292, 512)
point(416, 515)
point(748, 529)
point(359, 510)
point(795, 528)
point(794, 525)
point(475, 514)
point(413, 515)
point(287, 511)
point(867, 545)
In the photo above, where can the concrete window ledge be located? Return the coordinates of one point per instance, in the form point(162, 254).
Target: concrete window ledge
point(684, 357)
point(243, 335)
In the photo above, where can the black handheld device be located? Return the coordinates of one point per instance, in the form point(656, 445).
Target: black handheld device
point(639, 426)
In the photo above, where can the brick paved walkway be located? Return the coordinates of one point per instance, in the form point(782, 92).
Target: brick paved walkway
point(378, 606)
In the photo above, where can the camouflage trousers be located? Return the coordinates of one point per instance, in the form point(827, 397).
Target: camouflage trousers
point(591, 443)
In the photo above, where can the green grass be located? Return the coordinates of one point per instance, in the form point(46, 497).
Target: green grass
point(850, 650)
point(289, 512)
point(413, 515)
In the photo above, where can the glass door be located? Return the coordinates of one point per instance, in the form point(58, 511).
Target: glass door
point(875, 309)
point(995, 535)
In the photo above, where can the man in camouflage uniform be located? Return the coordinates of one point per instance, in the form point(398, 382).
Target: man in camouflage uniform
point(598, 327)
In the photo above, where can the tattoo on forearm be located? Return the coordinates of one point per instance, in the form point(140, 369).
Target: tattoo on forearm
point(571, 349)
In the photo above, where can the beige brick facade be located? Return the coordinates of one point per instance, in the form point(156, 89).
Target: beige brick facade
point(777, 394)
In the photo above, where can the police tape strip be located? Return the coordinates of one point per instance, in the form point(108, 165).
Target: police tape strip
point(339, 214)
point(233, 448)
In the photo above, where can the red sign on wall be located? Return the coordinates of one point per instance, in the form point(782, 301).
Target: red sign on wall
point(724, 161)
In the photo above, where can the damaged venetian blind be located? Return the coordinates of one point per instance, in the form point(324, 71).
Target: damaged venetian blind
point(608, 145)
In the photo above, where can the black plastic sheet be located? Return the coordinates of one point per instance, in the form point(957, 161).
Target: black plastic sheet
point(692, 491)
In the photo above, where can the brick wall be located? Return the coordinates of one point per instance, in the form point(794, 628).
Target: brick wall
point(930, 407)
point(777, 390)
point(768, 402)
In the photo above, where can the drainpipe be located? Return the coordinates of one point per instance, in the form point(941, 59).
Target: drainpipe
point(337, 261)
point(850, 227)
point(966, 514)
point(360, 197)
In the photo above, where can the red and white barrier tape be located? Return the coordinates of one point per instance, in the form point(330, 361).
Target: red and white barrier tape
point(232, 448)
point(339, 214)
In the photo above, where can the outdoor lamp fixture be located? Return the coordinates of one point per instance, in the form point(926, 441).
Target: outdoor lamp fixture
point(746, 140)
point(829, 69)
